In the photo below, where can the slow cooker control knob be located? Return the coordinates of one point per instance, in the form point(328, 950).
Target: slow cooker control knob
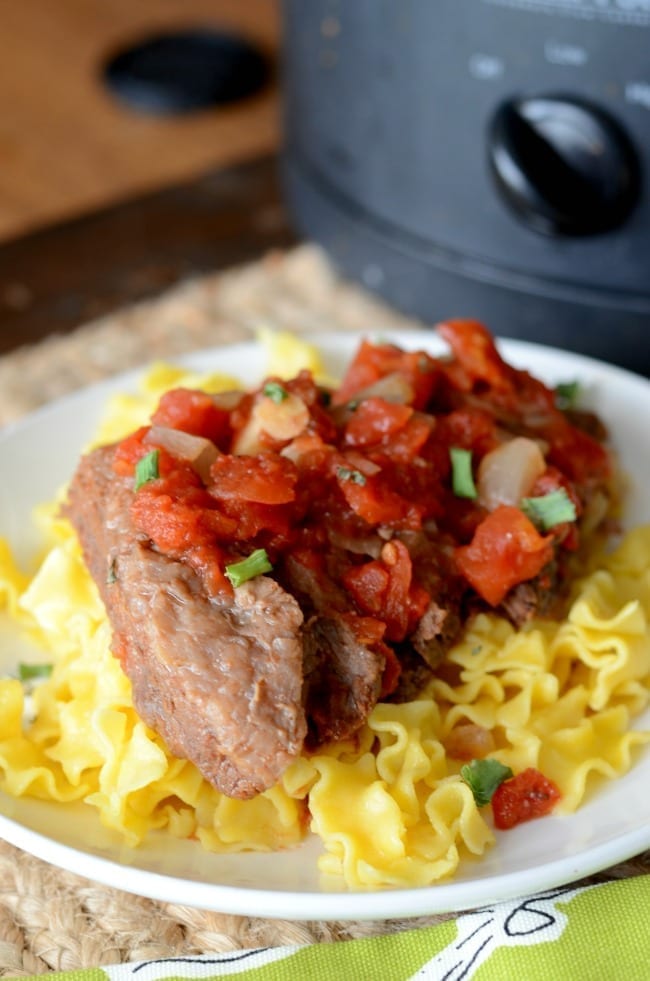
point(563, 164)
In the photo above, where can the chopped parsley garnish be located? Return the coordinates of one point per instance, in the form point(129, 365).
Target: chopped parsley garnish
point(31, 672)
point(255, 564)
point(549, 510)
point(566, 394)
point(462, 480)
point(275, 391)
point(483, 777)
point(146, 469)
point(111, 575)
point(347, 473)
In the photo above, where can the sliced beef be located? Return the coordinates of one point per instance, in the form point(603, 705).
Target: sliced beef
point(219, 679)
point(415, 675)
point(437, 630)
point(314, 589)
point(342, 679)
point(531, 599)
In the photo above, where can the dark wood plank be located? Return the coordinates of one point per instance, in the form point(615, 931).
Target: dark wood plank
point(55, 279)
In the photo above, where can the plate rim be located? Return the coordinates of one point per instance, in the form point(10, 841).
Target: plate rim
point(345, 903)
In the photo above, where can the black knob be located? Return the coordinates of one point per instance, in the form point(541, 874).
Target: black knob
point(563, 164)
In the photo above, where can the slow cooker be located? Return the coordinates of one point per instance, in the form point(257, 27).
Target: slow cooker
point(480, 158)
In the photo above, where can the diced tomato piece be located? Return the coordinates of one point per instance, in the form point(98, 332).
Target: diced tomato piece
point(392, 671)
point(375, 361)
point(129, 451)
point(368, 585)
point(470, 429)
point(174, 522)
point(373, 500)
point(374, 420)
point(474, 348)
point(264, 479)
point(250, 519)
point(405, 445)
point(577, 454)
point(209, 563)
point(527, 795)
point(193, 412)
point(384, 588)
point(506, 549)
point(396, 613)
point(367, 630)
point(419, 600)
point(182, 521)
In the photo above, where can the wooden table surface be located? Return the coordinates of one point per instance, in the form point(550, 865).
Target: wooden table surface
point(68, 147)
point(56, 278)
point(100, 205)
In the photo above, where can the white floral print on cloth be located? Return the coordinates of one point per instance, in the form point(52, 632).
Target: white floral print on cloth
point(589, 933)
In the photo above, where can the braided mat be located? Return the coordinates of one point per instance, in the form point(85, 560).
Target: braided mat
point(51, 920)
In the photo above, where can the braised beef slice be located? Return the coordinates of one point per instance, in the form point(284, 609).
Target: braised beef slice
point(438, 628)
point(316, 591)
point(342, 679)
point(219, 679)
point(543, 596)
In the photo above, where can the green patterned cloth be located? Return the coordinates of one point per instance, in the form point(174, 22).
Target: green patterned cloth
point(589, 933)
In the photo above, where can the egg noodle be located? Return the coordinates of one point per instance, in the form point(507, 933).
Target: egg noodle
point(390, 808)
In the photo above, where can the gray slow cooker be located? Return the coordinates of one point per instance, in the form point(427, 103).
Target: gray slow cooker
point(480, 158)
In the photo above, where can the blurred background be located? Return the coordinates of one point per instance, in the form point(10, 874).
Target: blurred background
point(474, 158)
point(68, 145)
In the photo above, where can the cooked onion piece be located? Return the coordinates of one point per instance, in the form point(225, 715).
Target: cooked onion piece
point(507, 474)
point(199, 452)
point(280, 420)
point(227, 400)
point(394, 387)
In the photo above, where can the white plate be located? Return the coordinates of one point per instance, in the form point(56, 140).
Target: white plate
point(39, 453)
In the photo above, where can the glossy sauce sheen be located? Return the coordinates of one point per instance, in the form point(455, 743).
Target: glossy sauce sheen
point(377, 561)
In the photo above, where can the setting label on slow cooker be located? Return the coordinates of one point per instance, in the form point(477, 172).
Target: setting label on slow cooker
point(636, 12)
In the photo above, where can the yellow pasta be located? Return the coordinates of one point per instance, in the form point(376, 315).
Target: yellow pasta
point(390, 808)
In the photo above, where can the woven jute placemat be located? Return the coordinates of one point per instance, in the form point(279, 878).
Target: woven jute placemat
point(53, 920)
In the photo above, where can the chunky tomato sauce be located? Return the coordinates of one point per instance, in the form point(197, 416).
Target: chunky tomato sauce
point(526, 796)
point(355, 489)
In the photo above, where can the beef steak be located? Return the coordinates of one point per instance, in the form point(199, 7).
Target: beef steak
point(219, 679)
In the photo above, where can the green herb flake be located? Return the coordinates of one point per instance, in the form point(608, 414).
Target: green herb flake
point(549, 510)
point(347, 473)
point(566, 394)
point(483, 777)
point(255, 564)
point(462, 480)
point(33, 672)
point(146, 469)
point(275, 391)
point(111, 575)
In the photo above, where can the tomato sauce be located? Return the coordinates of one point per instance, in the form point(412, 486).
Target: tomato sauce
point(357, 482)
point(526, 796)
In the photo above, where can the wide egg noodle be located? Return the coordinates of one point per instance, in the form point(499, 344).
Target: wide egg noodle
point(389, 806)
point(562, 697)
point(394, 816)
